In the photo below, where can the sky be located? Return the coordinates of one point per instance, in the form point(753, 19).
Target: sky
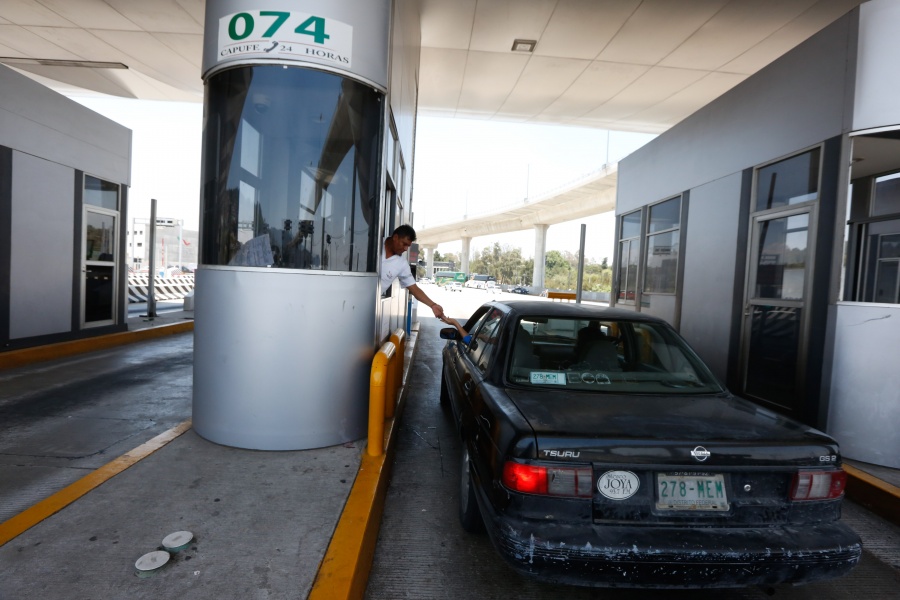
point(165, 161)
point(475, 167)
point(461, 166)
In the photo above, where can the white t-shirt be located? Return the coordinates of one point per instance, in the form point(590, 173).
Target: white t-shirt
point(395, 267)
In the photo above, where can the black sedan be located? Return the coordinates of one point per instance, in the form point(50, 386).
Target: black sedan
point(599, 450)
point(520, 290)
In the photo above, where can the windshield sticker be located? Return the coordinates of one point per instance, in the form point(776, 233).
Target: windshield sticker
point(598, 378)
point(542, 378)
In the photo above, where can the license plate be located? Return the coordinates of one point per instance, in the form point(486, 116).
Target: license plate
point(691, 492)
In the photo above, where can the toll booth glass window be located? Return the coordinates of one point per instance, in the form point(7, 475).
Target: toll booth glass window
point(664, 227)
point(290, 173)
point(100, 237)
point(101, 193)
point(781, 264)
point(887, 195)
point(629, 252)
point(788, 182)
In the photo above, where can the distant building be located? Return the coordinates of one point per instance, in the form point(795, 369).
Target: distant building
point(175, 247)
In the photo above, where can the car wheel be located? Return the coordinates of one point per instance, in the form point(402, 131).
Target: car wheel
point(445, 393)
point(469, 514)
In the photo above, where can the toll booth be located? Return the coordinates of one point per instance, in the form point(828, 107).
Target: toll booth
point(64, 177)
point(308, 129)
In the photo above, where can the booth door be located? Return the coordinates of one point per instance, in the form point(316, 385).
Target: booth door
point(98, 286)
point(774, 329)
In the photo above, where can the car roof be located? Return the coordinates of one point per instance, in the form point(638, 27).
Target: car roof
point(542, 308)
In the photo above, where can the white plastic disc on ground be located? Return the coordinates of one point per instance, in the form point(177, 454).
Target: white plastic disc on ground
point(177, 541)
point(151, 561)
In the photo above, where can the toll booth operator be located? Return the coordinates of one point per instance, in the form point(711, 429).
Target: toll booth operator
point(395, 266)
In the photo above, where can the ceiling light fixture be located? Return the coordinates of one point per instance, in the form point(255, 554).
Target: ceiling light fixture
point(524, 45)
point(53, 62)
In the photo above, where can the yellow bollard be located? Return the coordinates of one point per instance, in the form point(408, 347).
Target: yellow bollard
point(390, 386)
point(398, 338)
point(378, 381)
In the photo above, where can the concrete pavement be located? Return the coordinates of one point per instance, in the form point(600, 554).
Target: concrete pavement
point(264, 522)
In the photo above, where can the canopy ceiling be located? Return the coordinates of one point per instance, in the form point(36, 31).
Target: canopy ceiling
point(631, 65)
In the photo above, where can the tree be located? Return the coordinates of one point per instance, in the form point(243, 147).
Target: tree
point(561, 272)
point(554, 262)
point(503, 263)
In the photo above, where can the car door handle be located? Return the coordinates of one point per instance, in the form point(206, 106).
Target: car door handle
point(468, 386)
point(485, 422)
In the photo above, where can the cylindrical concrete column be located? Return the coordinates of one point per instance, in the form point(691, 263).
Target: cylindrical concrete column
point(429, 260)
point(540, 249)
point(464, 255)
point(291, 192)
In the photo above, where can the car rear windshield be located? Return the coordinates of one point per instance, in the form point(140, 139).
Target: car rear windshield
point(606, 356)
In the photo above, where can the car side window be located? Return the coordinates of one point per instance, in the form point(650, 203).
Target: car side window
point(484, 341)
point(472, 328)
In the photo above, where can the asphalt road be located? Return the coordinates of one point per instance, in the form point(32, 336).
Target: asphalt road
point(118, 398)
point(424, 554)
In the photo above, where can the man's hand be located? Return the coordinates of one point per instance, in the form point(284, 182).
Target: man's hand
point(438, 311)
point(422, 297)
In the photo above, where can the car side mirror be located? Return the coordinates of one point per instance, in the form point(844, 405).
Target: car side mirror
point(449, 333)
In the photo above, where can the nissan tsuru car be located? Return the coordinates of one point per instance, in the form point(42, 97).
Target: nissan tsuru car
point(599, 450)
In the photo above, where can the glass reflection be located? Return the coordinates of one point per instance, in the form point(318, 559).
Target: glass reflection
point(101, 236)
point(662, 263)
point(781, 263)
point(887, 195)
point(631, 225)
point(773, 356)
point(98, 293)
point(101, 193)
point(665, 215)
point(290, 172)
point(628, 270)
point(788, 182)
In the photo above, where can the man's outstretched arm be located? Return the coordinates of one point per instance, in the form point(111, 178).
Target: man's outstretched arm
point(422, 297)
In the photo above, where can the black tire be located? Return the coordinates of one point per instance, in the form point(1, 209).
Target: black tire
point(445, 393)
point(469, 513)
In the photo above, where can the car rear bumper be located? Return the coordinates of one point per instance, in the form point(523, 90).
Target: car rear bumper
point(668, 557)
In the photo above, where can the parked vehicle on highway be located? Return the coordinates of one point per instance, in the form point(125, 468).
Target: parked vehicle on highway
point(520, 290)
point(454, 286)
point(599, 450)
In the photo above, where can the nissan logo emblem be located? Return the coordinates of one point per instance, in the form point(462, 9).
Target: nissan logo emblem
point(700, 453)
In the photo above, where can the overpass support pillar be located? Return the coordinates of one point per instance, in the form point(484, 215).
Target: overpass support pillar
point(429, 260)
point(540, 248)
point(464, 255)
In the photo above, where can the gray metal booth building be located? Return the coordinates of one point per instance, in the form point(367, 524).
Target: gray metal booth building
point(308, 135)
point(768, 224)
point(64, 176)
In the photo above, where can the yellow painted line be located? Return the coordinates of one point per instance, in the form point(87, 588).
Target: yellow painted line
point(27, 356)
point(344, 572)
point(45, 508)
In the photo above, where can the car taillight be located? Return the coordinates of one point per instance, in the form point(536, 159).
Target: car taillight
point(548, 481)
point(818, 485)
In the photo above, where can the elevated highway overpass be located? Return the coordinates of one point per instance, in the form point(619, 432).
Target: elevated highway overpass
point(592, 194)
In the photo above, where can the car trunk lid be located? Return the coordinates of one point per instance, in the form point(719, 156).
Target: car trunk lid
point(689, 459)
point(667, 430)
